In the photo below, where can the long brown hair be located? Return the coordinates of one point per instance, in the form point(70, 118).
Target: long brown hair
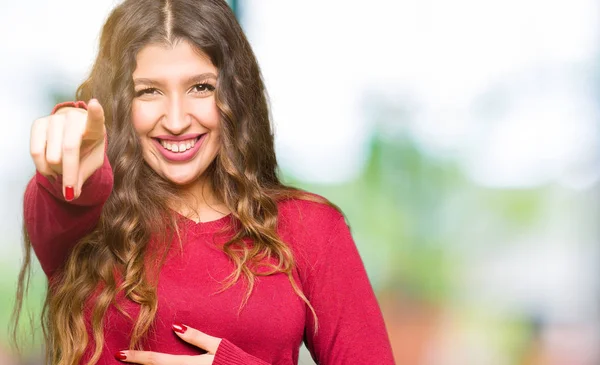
point(244, 176)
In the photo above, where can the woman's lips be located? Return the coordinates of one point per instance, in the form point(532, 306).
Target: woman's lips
point(179, 138)
point(175, 144)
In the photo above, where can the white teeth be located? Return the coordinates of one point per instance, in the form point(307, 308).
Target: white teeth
point(179, 147)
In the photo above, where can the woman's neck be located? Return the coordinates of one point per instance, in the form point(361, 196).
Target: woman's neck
point(199, 203)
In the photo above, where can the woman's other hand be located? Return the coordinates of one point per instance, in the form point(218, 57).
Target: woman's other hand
point(69, 143)
point(189, 335)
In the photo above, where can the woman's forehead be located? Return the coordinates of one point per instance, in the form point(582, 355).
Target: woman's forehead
point(181, 59)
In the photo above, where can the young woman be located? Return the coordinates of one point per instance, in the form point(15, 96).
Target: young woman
point(158, 216)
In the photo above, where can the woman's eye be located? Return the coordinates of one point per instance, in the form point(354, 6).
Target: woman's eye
point(149, 90)
point(203, 88)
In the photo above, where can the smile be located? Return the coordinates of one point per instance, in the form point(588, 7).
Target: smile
point(179, 146)
point(181, 150)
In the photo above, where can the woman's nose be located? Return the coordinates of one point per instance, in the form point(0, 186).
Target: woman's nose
point(176, 120)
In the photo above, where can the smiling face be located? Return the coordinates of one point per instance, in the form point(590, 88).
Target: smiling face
point(174, 110)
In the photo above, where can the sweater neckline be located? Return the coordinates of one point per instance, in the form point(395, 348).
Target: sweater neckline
point(208, 226)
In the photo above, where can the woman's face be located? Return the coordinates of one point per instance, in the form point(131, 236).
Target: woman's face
point(174, 110)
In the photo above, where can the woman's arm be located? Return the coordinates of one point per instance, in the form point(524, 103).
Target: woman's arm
point(351, 329)
point(52, 223)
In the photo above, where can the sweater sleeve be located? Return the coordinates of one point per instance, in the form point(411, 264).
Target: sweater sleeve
point(53, 224)
point(229, 354)
point(351, 329)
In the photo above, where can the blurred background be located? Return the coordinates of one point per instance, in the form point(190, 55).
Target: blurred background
point(461, 138)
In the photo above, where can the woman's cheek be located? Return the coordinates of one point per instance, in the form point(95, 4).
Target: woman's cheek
point(144, 116)
point(207, 113)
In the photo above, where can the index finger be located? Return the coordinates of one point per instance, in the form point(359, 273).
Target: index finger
point(70, 159)
point(94, 127)
point(153, 358)
point(197, 338)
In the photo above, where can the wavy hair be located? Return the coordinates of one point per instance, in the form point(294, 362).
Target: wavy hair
point(244, 176)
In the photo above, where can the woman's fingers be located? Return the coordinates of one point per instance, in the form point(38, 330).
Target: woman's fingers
point(197, 338)
point(54, 140)
point(70, 158)
point(94, 128)
point(157, 358)
point(37, 147)
point(69, 142)
point(189, 335)
point(145, 357)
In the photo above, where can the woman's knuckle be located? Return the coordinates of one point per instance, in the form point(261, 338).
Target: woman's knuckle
point(38, 122)
point(35, 152)
point(53, 160)
point(70, 147)
point(56, 119)
point(76, 116)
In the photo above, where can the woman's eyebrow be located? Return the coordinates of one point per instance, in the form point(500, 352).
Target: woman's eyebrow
point(189, 80)
point(202, 77)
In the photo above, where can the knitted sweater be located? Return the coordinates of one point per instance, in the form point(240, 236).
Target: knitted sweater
point(275, 321)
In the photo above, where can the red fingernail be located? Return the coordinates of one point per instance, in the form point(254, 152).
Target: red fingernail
point(120, 356)
point(69, 193)
point(179, 328)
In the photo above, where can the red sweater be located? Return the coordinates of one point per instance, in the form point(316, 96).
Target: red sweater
point(274, 322)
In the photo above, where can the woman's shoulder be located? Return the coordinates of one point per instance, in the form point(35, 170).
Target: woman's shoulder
point(311, 209)
point(310, 220)
point(311, 228)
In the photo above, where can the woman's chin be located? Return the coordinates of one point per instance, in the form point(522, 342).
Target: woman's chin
point(181, 179)
point(179, 174)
